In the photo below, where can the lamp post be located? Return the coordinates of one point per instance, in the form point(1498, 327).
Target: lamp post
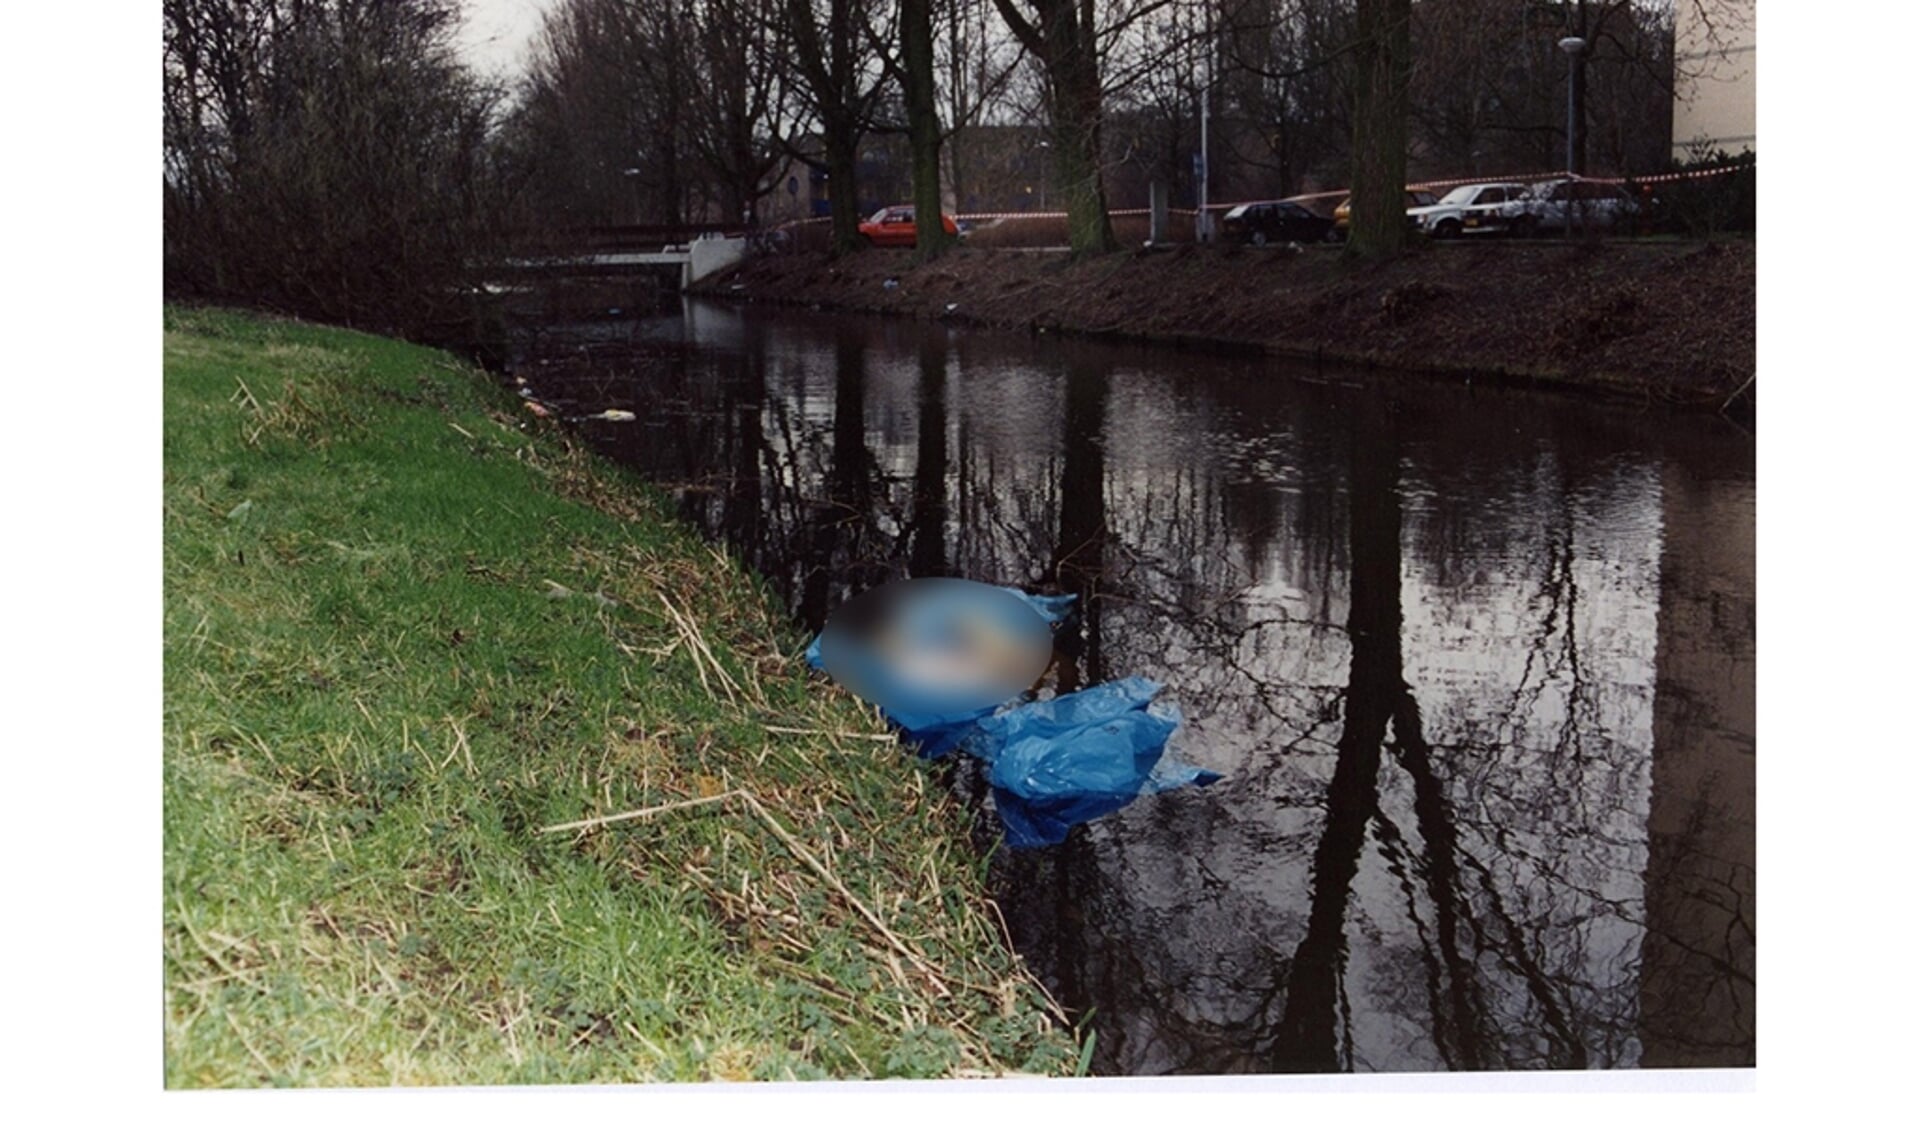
point(1203, 170)
point(639, 205)
point(1045, 159)
point(1204, 221)
point(1575, 49)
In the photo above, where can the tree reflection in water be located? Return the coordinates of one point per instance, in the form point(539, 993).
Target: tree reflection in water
point(1478, 675)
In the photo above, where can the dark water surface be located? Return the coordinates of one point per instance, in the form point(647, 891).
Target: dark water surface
point(1478, 669)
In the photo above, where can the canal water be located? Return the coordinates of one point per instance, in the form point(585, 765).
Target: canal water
point(1477, 667)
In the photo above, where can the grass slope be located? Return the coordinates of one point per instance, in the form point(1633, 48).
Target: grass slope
point(402, 636)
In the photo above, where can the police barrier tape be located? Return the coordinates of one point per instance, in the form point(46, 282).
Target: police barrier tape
point(1517, 178)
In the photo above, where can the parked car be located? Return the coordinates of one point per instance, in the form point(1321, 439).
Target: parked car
point(1275, 221)
point(1415, 198)
point(894, 227)
point(1559, 205)
point(1466, 210)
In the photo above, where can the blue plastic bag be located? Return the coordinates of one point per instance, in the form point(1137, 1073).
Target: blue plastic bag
point(1054, 764)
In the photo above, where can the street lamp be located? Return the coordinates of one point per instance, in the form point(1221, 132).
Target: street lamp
point(1574, 47)
point(1045, 159)
point(639, 205)
point(1203, 222)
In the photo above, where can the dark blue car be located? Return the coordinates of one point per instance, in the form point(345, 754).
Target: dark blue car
point(1275, 221)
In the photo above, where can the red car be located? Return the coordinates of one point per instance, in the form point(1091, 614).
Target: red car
point(893, 227)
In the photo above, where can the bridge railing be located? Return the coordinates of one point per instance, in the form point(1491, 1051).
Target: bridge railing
point(622, 237)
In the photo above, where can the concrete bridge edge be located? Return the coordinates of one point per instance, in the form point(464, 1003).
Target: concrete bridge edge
point(710, 253)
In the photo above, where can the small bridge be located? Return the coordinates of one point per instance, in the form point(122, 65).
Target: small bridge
point(588, 252)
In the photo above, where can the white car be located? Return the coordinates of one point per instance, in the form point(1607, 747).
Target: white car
point(1466, 210)
point(1567, 204)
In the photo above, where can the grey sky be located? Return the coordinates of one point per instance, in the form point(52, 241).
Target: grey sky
point(496, 33)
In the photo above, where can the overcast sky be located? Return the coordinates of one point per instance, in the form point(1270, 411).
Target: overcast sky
point(497, 33)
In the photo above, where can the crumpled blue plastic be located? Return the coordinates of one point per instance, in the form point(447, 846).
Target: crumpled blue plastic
point(1054, 764)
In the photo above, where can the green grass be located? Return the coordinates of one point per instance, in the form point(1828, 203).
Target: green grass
point(406, 629)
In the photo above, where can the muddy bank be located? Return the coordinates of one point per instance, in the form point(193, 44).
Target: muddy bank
point(1668, 323)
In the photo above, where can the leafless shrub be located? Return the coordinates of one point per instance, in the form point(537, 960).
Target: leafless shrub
point(324, 159)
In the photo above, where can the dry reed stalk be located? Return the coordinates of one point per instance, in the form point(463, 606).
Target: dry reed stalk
point(859, 906)
point(699, 638)
point(644, 1040)
point(643, 812)
point(511, 1021)
point(812, 979)
point(697, 648)
point(933, 975)
point(832, 733)
point(432, 1020)
point(207, 949)
point(459, 749)
point(246, 394)
point(248, 1042)
point(1052, 1004)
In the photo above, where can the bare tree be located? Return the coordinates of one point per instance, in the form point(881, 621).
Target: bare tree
point(737, 52)
point(325, 158)
point(841, 80)
point(1155, 118)
point(1491, 82)
point(1287, 98)
point(216, 55)
point(658, 55)
point(582, 122)
point(977, 61)
point(636, 110)
point(1064, 36)
point(1142, 67)
point(922, 122)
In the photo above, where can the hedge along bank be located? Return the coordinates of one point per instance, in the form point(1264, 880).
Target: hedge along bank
point(479, 768)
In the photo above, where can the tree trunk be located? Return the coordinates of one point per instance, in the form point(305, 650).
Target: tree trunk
point(842, 163)
point(1576, 90)
point(831, 70)
point(922, 125)
point(1064, 36)
point(1382, 61)
point(1076, 113)
point(737, 170)
point(667, 132)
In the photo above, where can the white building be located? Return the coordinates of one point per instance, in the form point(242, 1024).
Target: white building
point(1715, 64)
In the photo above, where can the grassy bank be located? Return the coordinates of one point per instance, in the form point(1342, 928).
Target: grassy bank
point(1641, 320)
point(403, 636)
